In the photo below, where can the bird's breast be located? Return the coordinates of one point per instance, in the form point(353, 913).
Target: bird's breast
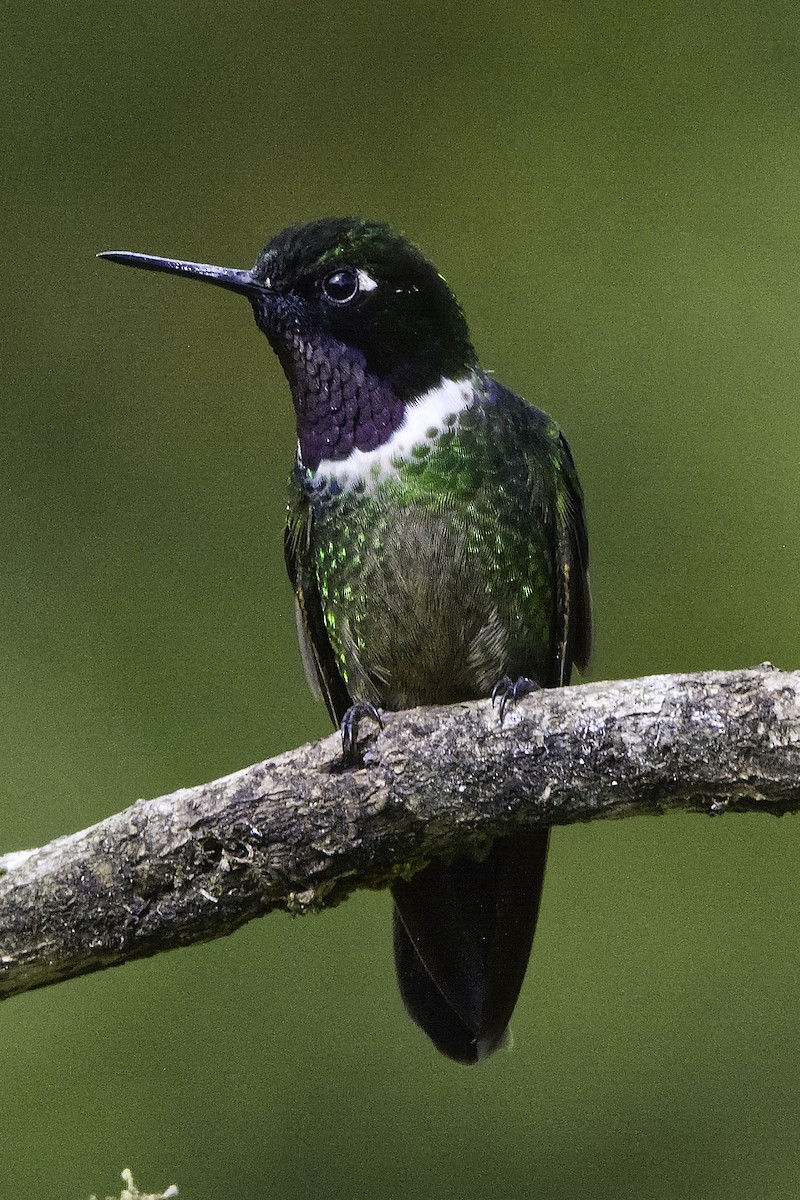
point(432, 601)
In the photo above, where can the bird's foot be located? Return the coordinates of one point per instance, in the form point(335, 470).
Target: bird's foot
point(349, 727)
point(507, 690)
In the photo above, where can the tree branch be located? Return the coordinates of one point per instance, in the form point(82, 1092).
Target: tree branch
point(300, 833)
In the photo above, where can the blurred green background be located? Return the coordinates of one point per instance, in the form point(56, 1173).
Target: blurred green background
point(612, 190)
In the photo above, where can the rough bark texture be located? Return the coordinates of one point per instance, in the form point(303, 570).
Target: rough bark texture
point(299, 833)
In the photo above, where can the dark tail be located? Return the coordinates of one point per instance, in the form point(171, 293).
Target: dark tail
point(462, 939)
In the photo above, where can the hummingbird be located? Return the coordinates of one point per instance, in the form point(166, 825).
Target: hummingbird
point(436, 544)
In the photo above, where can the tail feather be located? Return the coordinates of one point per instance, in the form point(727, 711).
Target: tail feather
point(428, 1007)
point(462, 939)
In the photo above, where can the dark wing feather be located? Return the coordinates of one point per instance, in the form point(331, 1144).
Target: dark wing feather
point(574, 600)
point(319, 660)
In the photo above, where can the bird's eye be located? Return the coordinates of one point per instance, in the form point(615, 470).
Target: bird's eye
point(341, 286)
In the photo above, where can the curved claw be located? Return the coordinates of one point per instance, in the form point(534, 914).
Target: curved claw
point(508, 690)
point(349, 726)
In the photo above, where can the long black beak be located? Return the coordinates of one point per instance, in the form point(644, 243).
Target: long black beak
point(226, 277)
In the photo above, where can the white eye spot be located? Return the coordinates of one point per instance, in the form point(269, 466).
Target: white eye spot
point(365, 281)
